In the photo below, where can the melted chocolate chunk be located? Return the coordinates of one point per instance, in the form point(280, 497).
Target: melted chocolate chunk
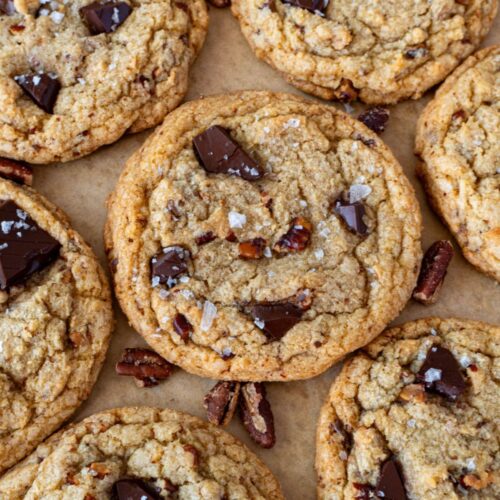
point(105, 17)
point(25, 248)
point(132, 489)
point(275, 319)
point(7, 7)
point(218, 153)
point(168, 265)
point(352, 214)
point(316, 6)
point(375, 118)
point(182, 326)
point(390, 485)
point(42, 88)
point(441, 373)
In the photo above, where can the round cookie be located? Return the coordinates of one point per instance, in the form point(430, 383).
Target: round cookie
point(55, 320)
point(381, 52)
point(457, 139)
point(414, 415)
point(76, 75)
point(162, 452)
point(291, 237)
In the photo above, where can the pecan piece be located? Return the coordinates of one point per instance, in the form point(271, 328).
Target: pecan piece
point(256, 414)
point(221, 401)
point(434, 266)
point(413, 393)
point(296, 238)
point(252, 249)
point(477, 481)
point(99, 470)
point(189, 448)
point(205, 238)
point(145, 365)
point(182, 326)
point(16, 171)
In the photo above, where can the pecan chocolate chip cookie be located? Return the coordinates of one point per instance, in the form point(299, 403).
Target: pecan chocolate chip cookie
point(55, 320)
point(381, 52)
point(414, 415)
point(78, 74)
point(458, 141)
point(314, 237)
point(142, 453)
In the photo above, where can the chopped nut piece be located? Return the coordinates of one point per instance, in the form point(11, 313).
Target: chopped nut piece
point(434, 266)
point(477, 482)
point(16, 171)
point(221, 401)
point(252, 249)
point(296, 238)
point(99, 470)
point(414, 393)
point(145, 365)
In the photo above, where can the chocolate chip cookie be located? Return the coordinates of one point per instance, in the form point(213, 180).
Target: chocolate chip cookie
point(259, 236)
point(55, 320)
point(458, 141)
point(78, 74)
point(381, 52)
point(415, 415)
point(143, 453)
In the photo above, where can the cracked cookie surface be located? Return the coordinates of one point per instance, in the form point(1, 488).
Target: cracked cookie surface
point(172, 452)
point(377, 409)
point(54, 333)
point(111, 83)
point(310, 154)
point(457, 139)
point(387, 51)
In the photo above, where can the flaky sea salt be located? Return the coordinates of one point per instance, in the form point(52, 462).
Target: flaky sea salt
point(268, 253)
point(57, 17)
point(432, 374)
point(358, 192)
point(259, 323)
point(465, 361)
point(319, 253)
point(236, 220)
point(208, 315)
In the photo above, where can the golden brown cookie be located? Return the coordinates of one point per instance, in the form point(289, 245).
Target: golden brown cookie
point(288, 239)
point(415, 415)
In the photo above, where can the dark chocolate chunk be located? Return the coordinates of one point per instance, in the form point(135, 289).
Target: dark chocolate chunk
point(296, 238)
point(169, 264)
point(25, 248)
point(441, 373)
point(221, 401)
point(42, 88)
point(352, 214)
point(132, 489)
point(375, 118)
point(433, 271)
point(7, 7)
point(390, 485)
point(256, 414)
point(182, 326)
point(105, 17)
point(316, 6)
point(218, 153)
point(275, 319)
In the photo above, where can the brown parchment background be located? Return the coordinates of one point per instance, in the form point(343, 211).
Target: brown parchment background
point(81, 187)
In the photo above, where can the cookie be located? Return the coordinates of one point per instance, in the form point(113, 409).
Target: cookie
point(75, 75)
point(144, 453)
point(457, 140)
point(55, 320)
point(259, 236)
point(381, 52)
point(414, 415)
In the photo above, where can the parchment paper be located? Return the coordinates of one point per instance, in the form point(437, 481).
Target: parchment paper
point(81, 188)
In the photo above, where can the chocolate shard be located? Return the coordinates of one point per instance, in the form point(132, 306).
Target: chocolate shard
point(25, 248)
point(296, 238)
point(132, 489)
point(256, 414)
point(276, 318)
point(316, 6)
point(221, 401)
point(145, 365)
point(218, 153)
point(433, 271)
point(182, 327)
point(352, 214)
point(390, 484)
point(441, 373)
point(168, 265)
point(375, 118)
point(16, 171)
point(105, 17)
point(42, 88)
point(7, 7)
